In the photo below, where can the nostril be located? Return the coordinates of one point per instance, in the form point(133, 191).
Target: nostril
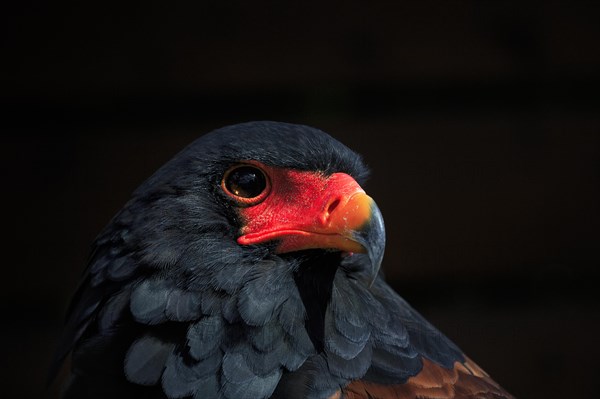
point(333, 205)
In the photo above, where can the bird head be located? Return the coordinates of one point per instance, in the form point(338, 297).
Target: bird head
point(271, 189)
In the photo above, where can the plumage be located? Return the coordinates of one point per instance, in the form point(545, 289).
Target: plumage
point(248, 267)
point(464, 380)
point(146, 359)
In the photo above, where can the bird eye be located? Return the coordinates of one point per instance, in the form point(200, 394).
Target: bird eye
point(247, 184)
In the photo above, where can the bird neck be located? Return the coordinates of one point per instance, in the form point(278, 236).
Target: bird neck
point(314, 279)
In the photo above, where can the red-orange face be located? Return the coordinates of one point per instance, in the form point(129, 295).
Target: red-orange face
point(303, 209)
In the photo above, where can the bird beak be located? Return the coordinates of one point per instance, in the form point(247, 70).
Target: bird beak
point(341, 216)
point(371, 236)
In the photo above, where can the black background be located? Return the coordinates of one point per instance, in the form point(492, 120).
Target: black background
point(479, 120)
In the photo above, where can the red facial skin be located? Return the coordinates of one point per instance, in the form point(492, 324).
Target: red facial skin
point(304, 210)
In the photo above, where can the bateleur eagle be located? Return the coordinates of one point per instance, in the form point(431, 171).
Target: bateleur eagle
point(247, 267)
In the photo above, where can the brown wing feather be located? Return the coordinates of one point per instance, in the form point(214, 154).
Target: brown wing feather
point(465, 381)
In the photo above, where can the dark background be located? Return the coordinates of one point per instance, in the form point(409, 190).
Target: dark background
point(479, 120)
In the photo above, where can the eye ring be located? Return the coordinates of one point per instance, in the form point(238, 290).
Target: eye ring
point(247, 184)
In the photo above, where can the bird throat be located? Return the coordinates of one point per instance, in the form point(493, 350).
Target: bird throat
point(314, 279)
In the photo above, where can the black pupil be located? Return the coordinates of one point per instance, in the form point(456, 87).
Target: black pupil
point(246, 182)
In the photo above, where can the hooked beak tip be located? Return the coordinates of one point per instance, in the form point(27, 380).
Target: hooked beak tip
point(371, 236)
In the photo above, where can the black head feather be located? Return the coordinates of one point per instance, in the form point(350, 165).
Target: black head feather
point(272, 143)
